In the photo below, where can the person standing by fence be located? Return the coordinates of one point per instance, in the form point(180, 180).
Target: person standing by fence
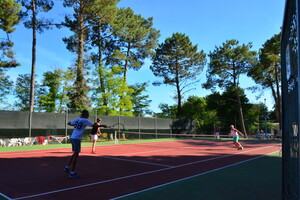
point(217, 132)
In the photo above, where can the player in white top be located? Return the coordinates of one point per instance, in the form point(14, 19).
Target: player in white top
point(235, 134)
point(79, 126)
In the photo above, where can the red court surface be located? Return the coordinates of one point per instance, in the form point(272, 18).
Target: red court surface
point(117, 170)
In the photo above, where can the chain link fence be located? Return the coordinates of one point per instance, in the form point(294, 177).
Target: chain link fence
point(290, 100)
point(16, 124)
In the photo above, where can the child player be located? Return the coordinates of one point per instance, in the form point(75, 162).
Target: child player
point(79, 126)
point(95, 133)
point(235, 133)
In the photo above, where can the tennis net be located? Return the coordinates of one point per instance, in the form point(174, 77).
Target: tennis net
point(129, 135)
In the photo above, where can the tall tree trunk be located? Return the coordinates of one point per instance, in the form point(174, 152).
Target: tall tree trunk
point(79, 78)
point(100, 68)
point(240, 110)
point(122, 96)
point(178, 94)
point(126, 62)
point(33, 63)
point(278, 97)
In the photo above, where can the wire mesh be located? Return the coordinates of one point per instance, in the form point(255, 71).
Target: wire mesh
point(290, 100)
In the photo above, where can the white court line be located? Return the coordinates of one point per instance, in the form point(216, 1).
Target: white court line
point(133, 175)
point(190, 177)
point(170, 149)
point(40, 151)
point(135, 161)
point(6, 197)
point(67, 149)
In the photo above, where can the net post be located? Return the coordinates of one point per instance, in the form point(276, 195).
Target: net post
point(116, 139)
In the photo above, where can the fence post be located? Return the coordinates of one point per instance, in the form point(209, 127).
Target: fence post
point(155, 122)
point(170, 124)
point(119, 121)
point(66, 125)
point(139, 126)
point(30, 123)
point(96, 115)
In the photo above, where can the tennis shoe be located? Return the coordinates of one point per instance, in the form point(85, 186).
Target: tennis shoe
point(93, 152)
point(67, 169)
point(240, 148)
point(73, 175)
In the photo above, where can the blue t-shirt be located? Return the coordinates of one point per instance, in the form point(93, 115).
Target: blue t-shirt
point(79, 126)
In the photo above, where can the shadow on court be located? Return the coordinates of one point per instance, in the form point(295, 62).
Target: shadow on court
point(106, 176)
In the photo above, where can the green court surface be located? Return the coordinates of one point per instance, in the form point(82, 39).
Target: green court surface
point(258, 179)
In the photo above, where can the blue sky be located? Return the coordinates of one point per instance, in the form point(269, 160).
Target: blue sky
point(208, 23)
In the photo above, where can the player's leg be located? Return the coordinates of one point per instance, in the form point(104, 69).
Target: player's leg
point(236, 143)
point(93, 146)
point(94, 138)
point(67, 168)
point(77, 149)
point(75, 156)
point(240, 147)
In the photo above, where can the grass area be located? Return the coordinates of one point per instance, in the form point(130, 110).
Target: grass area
point(258, 179)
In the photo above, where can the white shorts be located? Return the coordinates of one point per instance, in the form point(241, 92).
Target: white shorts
point(94, 137)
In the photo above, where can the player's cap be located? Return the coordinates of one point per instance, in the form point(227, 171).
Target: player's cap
point(98, 120)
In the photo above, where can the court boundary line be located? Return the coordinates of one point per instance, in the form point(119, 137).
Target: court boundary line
point(171, 166)
point(135, 175)
point(6, 197)
point(69, 149)
point(190, 177)
point(135, 161)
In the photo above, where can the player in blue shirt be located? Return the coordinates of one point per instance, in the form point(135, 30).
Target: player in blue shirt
point(79, 126)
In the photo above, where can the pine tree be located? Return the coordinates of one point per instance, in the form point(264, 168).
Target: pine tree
point(32, 9)
point(178, 61)
point(100, 38)
point(267, 72)
point(135, 39)
point(227, 63)
point(8, 19)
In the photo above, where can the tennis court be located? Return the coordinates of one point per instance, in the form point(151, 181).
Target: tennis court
point(119, 170)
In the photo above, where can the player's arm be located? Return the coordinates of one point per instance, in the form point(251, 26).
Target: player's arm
point(69, 123)
point(239, 132)
point(99, 132)
point(104, 126)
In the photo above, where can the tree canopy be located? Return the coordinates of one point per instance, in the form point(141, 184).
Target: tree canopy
point(227, 63)
point(178, 61)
